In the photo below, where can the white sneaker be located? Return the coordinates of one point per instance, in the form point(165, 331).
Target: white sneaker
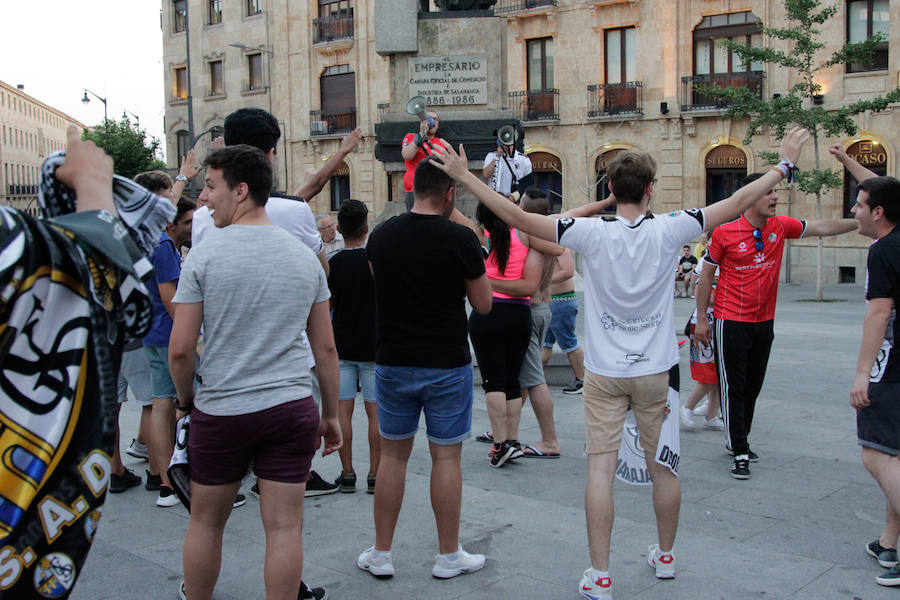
point(716, 423)
point(465, 563)
point(167, 498)
point(687, 418)
point(138, 450)
point(700, 409)
point(380, 566)
point(663, 562)
point(595, 590)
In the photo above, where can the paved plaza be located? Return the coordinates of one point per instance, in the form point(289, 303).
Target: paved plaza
point(797, 529)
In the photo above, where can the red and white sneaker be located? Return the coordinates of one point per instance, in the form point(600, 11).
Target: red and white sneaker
point(663, 562)
point(599, 589)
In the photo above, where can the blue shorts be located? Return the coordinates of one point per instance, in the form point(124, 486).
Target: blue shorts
point(562, 325)
point(160, 379)
point(445, 395)
point(353, 371)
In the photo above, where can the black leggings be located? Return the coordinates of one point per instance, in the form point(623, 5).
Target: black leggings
point(500, 339)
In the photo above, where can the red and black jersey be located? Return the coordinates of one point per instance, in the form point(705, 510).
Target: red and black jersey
point(748, 279)
point(426, 149)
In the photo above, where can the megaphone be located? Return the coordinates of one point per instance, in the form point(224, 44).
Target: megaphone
point(507, 135)
point(416, 106)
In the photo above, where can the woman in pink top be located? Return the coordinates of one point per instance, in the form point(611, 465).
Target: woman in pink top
point(500, 338)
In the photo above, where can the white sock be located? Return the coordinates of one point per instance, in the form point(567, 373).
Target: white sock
point(595, 574)
point(381, 553)
point(451, 557)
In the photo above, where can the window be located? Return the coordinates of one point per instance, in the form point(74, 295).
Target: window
point(180, 89)
point(254, 7)
point(182, 144)
point(214, 11)
point(620, 53)
point(254, 72)
point(540, 63)
point(866, 18)
point(335, 20)
point(712, 56)
point(216, 80)
point(179, 15)
point(340, 191)
point(337, 95)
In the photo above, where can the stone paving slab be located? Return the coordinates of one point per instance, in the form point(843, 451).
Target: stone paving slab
point(795, 530)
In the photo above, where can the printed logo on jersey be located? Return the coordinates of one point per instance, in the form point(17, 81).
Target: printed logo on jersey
point(697, 214)
point(772, 237)
point(562, 225)
point(759, 257)
point(742, 247)
point(54, 575)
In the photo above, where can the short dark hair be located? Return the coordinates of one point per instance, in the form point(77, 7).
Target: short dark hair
point(629, 173)
point(184, 206)
point(685, 246)
point(884, 192)
point(535, 201)
point(430, 182)
point(751, 178)
point(252, 126)
point(154, 181)
point(243, 163)
point(352, 218)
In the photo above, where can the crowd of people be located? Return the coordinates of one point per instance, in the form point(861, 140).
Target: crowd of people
point(340, 310)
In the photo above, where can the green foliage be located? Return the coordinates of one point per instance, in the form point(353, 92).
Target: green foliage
point(803, 32)
point(131, 148)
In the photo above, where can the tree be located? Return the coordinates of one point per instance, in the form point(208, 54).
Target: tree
point(803, 34)
point(131, 148)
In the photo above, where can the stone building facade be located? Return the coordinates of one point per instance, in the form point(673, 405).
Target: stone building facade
point(587, 79)
point(29, 131)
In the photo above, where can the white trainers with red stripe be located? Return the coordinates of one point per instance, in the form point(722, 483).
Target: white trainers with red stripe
point(601, 589)
point(663, 562)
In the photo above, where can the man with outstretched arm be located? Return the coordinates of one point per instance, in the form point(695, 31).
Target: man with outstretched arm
point(630, 331)
point(747, 251)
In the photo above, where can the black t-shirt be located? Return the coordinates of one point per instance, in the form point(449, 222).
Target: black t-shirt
point(353, 304)
point(883, 281)
point(421, 263)
point(687, 264)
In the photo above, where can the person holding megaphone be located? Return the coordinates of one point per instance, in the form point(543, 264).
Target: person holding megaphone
point(417, 146)
point(507, 170)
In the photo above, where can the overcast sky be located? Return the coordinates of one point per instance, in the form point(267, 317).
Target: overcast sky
point(56, 48)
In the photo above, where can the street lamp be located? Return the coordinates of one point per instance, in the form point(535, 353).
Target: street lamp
point(86, 100)
point(137, 119)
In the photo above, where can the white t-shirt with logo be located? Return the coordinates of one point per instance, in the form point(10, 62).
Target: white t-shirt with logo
point(629, 308)
point(519, 163)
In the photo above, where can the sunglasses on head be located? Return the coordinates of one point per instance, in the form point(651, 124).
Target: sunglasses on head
point(757, 235)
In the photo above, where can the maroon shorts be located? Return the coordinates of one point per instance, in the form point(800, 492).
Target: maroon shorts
point(280, 441)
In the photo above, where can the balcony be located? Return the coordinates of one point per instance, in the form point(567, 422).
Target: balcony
point(535, 105)
point(611, 99)
point(322, 123)
point(694, 98)
point(511, 6)
point(329, 29)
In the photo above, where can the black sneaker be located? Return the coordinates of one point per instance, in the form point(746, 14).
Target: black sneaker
point(891, 577)
point(346, 482)
point(501, 453)
point(886, 557)
point(316, 486)
point(574, 387)
point(740, 468)
point(370, 483)
point(239, 500)
point(120, 483)
point(519, 453)
point(311, 594)
point(153, 483)
point(254, 490)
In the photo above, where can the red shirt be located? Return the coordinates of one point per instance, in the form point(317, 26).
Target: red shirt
point(748, 278)
point(424, 150)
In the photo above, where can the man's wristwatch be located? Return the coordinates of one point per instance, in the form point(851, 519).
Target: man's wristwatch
point(183, 407)
point(181, 177)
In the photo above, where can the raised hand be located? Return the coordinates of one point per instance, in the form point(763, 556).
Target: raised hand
point(453, 164)
point(793, 143)
point(351, 140)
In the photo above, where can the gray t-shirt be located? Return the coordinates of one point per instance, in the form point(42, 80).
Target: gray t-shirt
point(257, 285)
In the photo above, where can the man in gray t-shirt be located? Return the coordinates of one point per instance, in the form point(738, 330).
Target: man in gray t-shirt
point(254, 289)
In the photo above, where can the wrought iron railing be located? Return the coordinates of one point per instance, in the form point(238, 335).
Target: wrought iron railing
point(606, 99)
point(332, 121)
point(535, 105)
point(328, 29)
point(508, 6)
point(695, 97)
point(383, 109)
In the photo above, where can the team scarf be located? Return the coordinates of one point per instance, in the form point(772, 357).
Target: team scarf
point(71, 295)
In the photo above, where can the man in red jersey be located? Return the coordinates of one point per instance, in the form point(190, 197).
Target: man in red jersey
point(748, 253)
point(417, 146)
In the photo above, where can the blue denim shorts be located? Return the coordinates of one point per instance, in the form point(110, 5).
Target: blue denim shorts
point(562, 325)
point(353, 371)
point(445, 395)
point(160, 379)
